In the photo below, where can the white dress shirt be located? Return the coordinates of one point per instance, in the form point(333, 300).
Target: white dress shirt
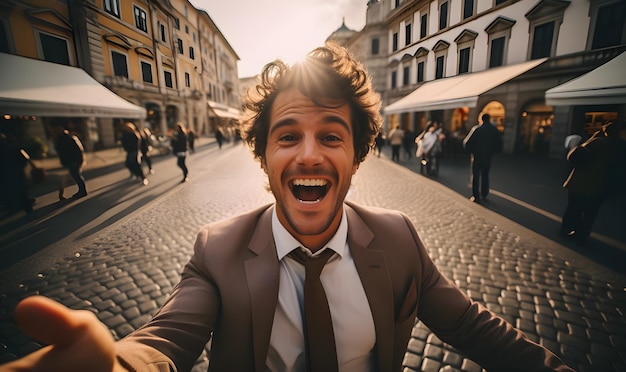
point(353, 324)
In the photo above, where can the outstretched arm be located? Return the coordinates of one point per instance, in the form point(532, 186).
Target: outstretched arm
point(76, 339)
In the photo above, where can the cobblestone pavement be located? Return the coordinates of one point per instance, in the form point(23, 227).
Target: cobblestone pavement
point(557, 297)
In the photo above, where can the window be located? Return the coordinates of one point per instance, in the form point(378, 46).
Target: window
point(542, 40)
point(112, 7)
point(187, 80)
point(396, 3)
point(464, 60)
point(407, 29)
point(168, 79)
point(141, 21)
point(443, 15)
point(146, 72)
point(375, 46)
point(406, 78)
point(163, 33)
point(181, 49)
point(609, 25)
point(54, 49)
point(393, 79)
point(120, 64)
point(440, 67)
point(498, 2)
point(177, 23)
point(395, 41)
point(191, 53)
point(424, 25)
point(187, 29)
point(468, 8)
point(499, 32)
point(420, 72)
point(496, 55)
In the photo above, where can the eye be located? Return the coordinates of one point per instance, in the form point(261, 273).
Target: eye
point(331, 138)
point(287, 138)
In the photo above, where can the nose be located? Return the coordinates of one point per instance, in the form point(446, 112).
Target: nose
point(309, 152)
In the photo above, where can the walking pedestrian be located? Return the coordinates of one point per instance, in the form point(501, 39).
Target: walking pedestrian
point(13, 188)
point(131, 142)
point(219, 137)
point(146, 147)
point(310, 282)
point(179, 148)
point(71, 154)
point(380, 143)
point(396, 136)
point(599, 171)
point(483, 141)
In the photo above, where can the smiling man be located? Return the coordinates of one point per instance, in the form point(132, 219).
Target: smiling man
point(253, 286)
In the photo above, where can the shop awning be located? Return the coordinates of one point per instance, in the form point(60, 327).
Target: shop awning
point(605, 84)
point(458, 91)
point(224, 111)
point(38, 88)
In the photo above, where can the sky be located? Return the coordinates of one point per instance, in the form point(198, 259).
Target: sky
point(261, 31)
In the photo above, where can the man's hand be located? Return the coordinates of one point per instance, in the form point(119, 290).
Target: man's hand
point(76, 338)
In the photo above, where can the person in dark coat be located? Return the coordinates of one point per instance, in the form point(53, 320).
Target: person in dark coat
point(219, 137)
point(131, 143)
point(71, 154)
point(483, 141)
point(13, 187)
point(179, 148)
point(598, 171)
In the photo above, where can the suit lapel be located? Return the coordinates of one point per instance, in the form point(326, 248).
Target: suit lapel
point(372, 268)
point(262, 276)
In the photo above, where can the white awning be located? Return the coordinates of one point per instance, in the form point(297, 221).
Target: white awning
point(39, 88)
point(605, 84)
point(224, 111)
point(458, 91)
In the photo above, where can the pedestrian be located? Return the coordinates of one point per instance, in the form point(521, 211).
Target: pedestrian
point(396, 136)
point(191, 137)
point(13, 188)
point(179, 148)
point(380, 142)
point(482, 141)
point(131, 142)
point(219, 137)
point(598, 172)
point(408, 144)
point(71, 154)
point(253, 286)
point(146, 147)
point(428, 149)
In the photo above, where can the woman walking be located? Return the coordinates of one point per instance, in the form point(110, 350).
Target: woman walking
point(179, 148)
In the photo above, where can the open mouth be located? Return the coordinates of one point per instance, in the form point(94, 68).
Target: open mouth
point(309, 190)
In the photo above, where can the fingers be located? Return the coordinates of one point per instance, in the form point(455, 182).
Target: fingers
point(45, 320)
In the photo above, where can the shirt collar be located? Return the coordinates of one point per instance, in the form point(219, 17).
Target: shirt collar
point(285, 242)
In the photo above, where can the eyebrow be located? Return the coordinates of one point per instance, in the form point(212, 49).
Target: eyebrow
point(331, 119)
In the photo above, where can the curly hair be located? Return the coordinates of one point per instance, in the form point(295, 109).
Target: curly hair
point(330, 77)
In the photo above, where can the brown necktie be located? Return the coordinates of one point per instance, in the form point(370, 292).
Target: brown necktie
point(319, 338)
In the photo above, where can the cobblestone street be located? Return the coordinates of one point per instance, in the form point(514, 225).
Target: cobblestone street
point(560, 299)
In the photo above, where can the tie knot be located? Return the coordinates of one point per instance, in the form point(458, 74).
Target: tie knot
point(313, 265)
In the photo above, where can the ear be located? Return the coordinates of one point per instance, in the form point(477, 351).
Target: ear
point(355, 167)
point(263, 165)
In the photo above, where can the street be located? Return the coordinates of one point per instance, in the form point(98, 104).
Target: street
point(119, 252)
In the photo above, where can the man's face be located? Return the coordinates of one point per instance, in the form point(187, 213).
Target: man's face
point(309, 161)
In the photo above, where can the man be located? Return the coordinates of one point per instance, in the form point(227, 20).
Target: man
point(598, 172)
point(310, 127)
point(482, 142)
point(396, 136)
point(131, 143)
point(72, 156)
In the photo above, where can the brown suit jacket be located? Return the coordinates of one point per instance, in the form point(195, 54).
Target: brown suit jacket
point(229, 290)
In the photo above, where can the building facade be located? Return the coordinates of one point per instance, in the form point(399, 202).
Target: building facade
point(164, 56)
point(451, 60)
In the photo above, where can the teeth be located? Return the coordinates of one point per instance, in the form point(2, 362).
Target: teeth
point(309, 182)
